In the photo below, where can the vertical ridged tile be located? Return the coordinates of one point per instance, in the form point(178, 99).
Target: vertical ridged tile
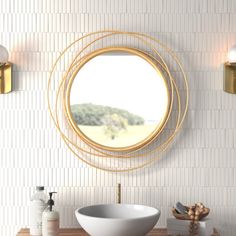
point(200, 166)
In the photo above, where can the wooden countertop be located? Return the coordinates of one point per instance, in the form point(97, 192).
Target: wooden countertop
point(81, 232)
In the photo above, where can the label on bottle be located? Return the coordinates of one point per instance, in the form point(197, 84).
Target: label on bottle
point(53, 227)
point(36, 210)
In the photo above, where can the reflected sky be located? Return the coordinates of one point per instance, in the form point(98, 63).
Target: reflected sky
point(122, 81)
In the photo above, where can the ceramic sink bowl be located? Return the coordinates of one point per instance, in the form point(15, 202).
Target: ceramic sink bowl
point(117, 219)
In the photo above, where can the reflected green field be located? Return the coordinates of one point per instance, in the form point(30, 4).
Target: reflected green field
point(132, 135)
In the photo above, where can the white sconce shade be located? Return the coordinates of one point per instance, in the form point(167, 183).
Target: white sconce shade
point(232, 55)
point(3, 55)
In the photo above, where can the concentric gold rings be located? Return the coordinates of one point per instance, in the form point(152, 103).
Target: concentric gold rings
point(87, 152)
point(74, 126)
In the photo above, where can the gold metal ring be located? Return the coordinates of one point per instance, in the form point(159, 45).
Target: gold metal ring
point(74, 63)
point(75, 127)
point(180, 118)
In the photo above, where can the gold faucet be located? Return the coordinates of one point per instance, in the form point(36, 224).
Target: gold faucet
point(119, 193)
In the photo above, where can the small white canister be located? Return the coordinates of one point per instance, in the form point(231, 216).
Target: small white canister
point(37, 206)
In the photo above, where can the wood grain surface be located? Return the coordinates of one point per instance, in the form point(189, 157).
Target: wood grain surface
point(81, 232)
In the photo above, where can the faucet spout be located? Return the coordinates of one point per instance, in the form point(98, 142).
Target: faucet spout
point(119, 193)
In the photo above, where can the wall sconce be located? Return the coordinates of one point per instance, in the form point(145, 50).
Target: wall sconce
point(230, 72)
point(5, 71)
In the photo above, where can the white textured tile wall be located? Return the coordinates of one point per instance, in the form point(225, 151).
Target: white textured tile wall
point(199, 167)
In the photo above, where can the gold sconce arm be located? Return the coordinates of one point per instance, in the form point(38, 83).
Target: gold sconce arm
point(230, 77)
point(5, 78)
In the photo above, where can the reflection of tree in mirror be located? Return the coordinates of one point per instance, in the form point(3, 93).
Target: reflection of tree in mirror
point(113, 121)
point(93, 115)
point(109, 126)
point(114, 124)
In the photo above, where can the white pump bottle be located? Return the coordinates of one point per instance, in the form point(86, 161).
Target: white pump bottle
point(50, 219)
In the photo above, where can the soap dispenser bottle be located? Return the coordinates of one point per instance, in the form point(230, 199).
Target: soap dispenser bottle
point(50, 219)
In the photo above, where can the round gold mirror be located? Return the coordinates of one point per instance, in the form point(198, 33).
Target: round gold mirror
point(117, 99)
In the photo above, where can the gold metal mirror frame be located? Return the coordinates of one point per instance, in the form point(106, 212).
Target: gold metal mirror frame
point(83, 136)
point(89, 154)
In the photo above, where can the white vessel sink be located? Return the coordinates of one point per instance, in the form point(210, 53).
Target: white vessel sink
point(117, 219)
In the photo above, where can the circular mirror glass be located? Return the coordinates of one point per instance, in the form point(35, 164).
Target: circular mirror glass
point(118, 99)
